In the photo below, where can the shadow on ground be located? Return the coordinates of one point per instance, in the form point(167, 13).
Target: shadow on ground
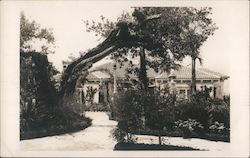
point(133, 146)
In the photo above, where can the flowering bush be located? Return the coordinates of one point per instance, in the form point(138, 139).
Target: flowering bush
point(219, 111)
point(203, 109)
point(219, 128)
point(189, 127)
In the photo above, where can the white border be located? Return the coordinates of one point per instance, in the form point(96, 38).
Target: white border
point(10, 85)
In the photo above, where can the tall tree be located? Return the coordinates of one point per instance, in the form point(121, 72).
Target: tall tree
point(104, 28)
point(179, 31)
point(142, 23)
point(33, 38)
point(200, 27)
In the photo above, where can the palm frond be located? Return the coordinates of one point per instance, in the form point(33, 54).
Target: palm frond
point(200, 60)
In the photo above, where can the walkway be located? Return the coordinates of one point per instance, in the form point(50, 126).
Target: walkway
point(95, 137)
point(98, 137)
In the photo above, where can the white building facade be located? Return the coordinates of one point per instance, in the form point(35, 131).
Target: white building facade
point(103, 82)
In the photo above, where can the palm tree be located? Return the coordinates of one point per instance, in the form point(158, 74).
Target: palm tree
point(193, 82)
point(196, 31)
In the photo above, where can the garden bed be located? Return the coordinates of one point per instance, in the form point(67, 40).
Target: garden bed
point(206, 136)
point(133, 146)
point(97, 107)
point(55, 129)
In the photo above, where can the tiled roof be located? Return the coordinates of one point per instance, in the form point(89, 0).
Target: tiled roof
point(181, 73)
point(101, 75)
point(213, 72)
point(201, 73)
point(91, 76)
point(120, 70)
point(98, 75)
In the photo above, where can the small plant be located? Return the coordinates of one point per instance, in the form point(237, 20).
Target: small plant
point(97, 107)
point(118, 135)
point(190, 127)
point(165, 141)
point(122, 136)
point(219, 128)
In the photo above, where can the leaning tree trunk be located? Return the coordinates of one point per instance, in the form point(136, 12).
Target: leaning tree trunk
point(118, 38)
point(193, 83)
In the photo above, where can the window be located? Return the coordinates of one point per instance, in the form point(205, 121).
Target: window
point(177, 81)
point(165, 81)
point(182, 93)
point(198, 81)
point(186, 81)
point(206, 81)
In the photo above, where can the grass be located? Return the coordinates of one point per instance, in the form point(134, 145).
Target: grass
point(134, 146)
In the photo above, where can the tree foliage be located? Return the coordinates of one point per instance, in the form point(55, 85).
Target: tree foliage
point(37, 92)
point(157, 35)
point(200, 27)
point(168, 34)
point(31, 34)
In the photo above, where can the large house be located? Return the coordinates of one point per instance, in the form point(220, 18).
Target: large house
point(103, 81)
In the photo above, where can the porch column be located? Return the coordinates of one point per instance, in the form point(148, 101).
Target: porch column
point(172, 84)
point(115, 84)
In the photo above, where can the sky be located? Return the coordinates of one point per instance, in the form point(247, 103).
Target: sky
point(66, 20)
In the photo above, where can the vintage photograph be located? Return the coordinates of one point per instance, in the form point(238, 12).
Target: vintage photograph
point(142, 87)
point(117, 77)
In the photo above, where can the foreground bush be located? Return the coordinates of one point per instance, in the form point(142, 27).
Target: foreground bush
point(137, 110)
point(190, 127)
point(58, 125)
point(159, 114)
point(128, 110)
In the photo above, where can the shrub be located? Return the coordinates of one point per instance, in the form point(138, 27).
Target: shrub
point(98, 107)
point(122, 136)
point(203, 109)
point(128, 110)
point(194, 108)
point(219, 111)
point(37, 92)
point(160, 114)
point(40, 115)
point(219, 128)
point(160, 111)
point(136, 110)
point(190, 127)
